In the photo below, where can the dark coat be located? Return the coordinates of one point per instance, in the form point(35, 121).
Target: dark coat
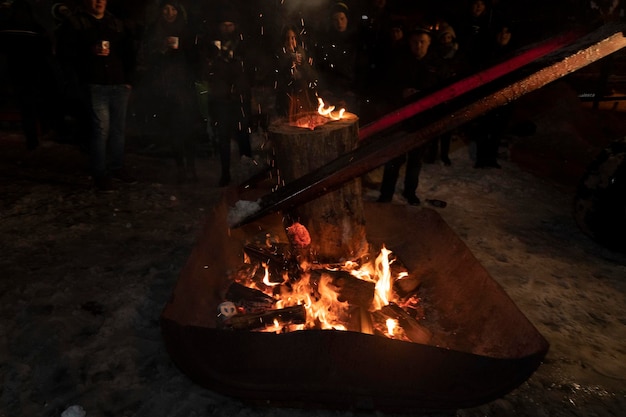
point(168, 72)
point(297, 81)
point(76, 39)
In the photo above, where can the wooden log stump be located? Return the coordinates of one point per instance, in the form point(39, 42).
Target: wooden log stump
point(336, 220)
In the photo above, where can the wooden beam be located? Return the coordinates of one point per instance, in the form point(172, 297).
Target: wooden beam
point(444, 118)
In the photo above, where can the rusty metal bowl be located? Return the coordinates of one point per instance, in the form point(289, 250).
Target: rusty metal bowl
point(483, 347)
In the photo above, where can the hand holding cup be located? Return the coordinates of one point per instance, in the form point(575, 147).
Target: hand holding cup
point(172, 42)
point(103, 48)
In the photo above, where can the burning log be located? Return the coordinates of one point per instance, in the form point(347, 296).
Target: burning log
point(335, 221)
point(352, 289)
point(254, 321)
point(414, 331)
point(277, 263)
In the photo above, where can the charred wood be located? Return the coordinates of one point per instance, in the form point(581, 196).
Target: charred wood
point(414, 331)
point(249, 299)
point(352, 289)
point(283, 316)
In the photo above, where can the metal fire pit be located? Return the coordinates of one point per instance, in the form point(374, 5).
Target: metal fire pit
point(483, 346)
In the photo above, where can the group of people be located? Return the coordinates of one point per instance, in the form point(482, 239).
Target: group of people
point(363, 58)
point(384, 61)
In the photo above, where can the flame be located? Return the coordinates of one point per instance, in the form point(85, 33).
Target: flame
point(312, 120)
point(384, 284)
point(323, 308)
point(328, 111)
point(266, 277)
point(318, 294)
point(380, 273)
point(391, 326)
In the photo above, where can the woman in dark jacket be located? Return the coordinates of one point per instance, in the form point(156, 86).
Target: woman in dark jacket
point(167, 59)
point(295, 77)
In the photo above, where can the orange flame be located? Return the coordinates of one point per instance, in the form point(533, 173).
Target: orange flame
point(328, 111)
point(384, 284)
point(266, 277)
point(391, 326)
point(320, 297)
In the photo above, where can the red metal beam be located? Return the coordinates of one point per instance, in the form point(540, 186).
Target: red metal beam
point(469, 83)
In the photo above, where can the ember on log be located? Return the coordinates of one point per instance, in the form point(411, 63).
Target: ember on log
point(413, 331)
point(277, 262)
point(354, 290)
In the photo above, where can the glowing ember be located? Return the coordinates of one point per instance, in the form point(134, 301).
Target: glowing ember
point(298, 235)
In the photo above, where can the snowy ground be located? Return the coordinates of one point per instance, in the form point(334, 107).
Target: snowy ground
point(84, 277)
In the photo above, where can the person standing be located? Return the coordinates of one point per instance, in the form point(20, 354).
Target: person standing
point(31, 69)
point(337, 60)
point(99, 49)
point(230, 83)
point(296, 80)
point(414, 74)
point(167, 56)
point(475, 34)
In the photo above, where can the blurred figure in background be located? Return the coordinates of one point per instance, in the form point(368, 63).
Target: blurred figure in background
point(32, 70)
point(230, 82)
point(415, 73)
point(447, 48)
point(296, 79)
point(167, 59)
point(336, 58)
point(475, 34)
point(99, 49)
point(488, 130)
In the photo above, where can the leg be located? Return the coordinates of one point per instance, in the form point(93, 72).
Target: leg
point(117, 135)
point(221, 119)
point(390, 177)
point(243, 128)
point(445, 148)
point(411, 178)
point(100, 118)
point(430, 151)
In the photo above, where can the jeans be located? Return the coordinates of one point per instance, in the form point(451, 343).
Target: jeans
point(108, 123)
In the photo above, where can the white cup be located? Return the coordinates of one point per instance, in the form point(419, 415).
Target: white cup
point(172, 42)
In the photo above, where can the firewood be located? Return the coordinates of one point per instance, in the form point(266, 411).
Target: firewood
point(283, 316)
point(352, 289)
point(276, 262)
point(414, 331)
point(250, 299)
